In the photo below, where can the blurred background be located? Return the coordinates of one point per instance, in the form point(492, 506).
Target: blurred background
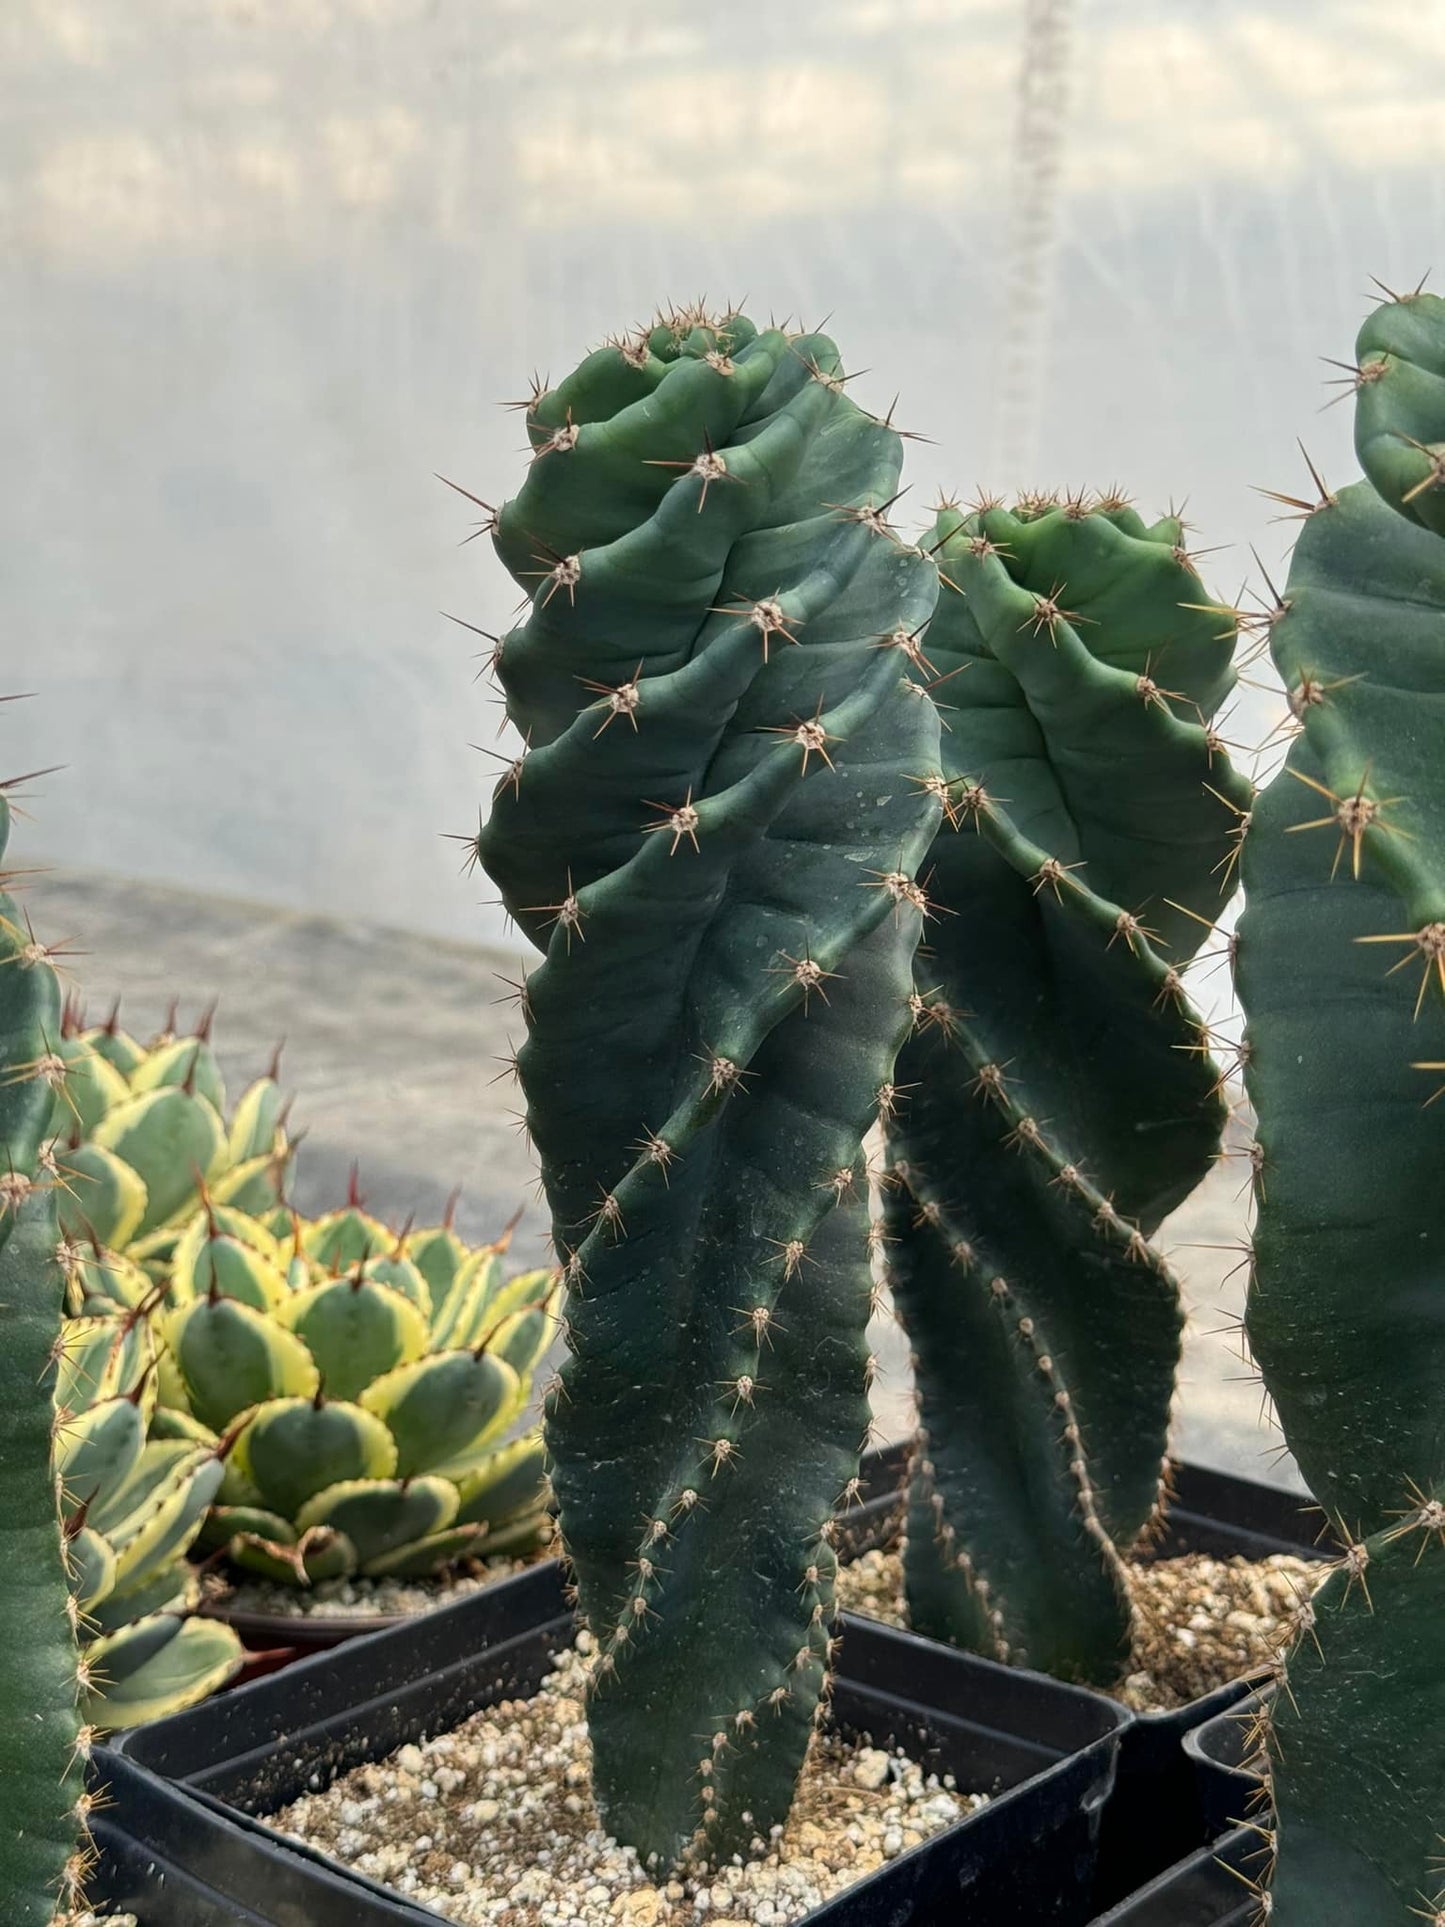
point(269, 265)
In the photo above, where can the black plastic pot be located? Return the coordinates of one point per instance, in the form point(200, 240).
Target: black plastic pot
point(1229, 1779)
point(873, 1521)
point(192, 1791)
point(1165, 1804)
point(1208, 1889)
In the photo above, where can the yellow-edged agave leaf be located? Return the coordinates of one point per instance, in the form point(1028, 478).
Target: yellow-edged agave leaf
point(500, 1484)
point(516, 1294)
point(91, 1566)
point(170, 1423)
point(345, 1238)
point(225, 1252)
point(100, 1196)
point(380, 1515)
point(316, 1555)
point(171, 1587)
point(233, 1357)
point(96, 1451)
point(440, 1405)
point(224, 1522)
point(119, 1049)
point(168, 1524)
point(356, 1329)
point(90, 1088)
point(99, 1358)
point(157, 1666)
point(296, 1447)
point(423, 1557)
point(457, 1315)
point(438, 1254)
point(163, 1465)
point(98, 1281)
point(522, 1337)
point(397, 1270)
point(257, 1118)
point(186, 1063)
point(166, 1136)
point(258, 1183)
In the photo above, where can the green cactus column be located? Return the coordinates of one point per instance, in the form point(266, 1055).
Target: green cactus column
point(40, 1781)
point(1057, 1097)
point(1341, 969)
point(713, 837)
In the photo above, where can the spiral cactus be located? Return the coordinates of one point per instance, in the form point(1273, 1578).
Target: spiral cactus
point(713, 837)
point(1061, 1098)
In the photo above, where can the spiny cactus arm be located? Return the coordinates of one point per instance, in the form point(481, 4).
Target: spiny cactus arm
point(1357, 1737)
point(1057, 1096)
point(1344, 940)
point(1344, 1311)
point(40, 1725)
point(713, 839)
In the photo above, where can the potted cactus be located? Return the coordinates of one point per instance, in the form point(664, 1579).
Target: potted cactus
point(772, 910)
point(714, 837)
point(1061, 1098)
point(1340, 966)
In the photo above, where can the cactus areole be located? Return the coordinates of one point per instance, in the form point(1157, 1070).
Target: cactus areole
point(713, 835)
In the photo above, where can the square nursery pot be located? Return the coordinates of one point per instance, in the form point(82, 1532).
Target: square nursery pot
point(1164, 1806)
point(189, 1795)
point(1167, 1803)
point(1230, 1780)
point(1208, 1889)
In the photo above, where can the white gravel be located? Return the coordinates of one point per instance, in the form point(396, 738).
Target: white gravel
point(494, 1823)
point(365, 1598)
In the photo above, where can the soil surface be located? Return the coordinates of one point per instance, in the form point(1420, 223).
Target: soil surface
point(495, 1822)
point(366, 1598)
point(1198, 1622)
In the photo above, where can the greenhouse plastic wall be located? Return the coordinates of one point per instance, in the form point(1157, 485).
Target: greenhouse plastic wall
point(270, 264)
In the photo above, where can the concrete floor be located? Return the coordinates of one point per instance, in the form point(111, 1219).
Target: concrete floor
point(392, 1043)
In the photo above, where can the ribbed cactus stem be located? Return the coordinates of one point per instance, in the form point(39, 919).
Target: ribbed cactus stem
point(1059, 1095)
point(713, 835)
point(1341, 969)
point(40, 1727)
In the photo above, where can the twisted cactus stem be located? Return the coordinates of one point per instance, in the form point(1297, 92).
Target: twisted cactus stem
point(1341, 969)
point(1059, 1096)
point(41, 1861)
point(713, 835)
